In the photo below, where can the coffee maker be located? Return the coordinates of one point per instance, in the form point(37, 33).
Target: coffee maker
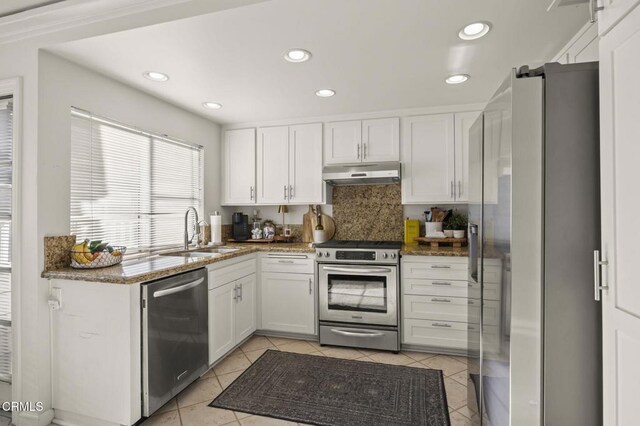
point(240, 226)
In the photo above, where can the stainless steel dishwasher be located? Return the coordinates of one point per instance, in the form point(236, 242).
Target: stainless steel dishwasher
point(175, 336)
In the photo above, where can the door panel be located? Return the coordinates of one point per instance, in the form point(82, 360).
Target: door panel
point(381, 140)
point(245, 314)
point(463, 123)
point(342, 142)
point(428, 159)
point(288, 302)
point(305, 163)
point(273, 165)
point(221, 321)
point(619, 152)
point(240, 166)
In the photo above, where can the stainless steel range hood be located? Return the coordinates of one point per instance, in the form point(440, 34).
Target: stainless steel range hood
point(362, 174)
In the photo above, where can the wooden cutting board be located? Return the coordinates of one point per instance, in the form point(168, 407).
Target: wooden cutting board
point(310, 221)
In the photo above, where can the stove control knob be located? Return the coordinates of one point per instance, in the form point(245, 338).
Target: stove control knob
point(326, 254)
point(319, 254)
point(384, 255)
point(393, 255)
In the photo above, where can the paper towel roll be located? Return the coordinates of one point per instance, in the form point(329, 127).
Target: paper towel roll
point(216, 228)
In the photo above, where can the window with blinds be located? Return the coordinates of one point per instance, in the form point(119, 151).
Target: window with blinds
point(6, 208)
point(131, 187)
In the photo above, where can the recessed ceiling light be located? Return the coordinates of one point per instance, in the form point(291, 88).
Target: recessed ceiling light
point(297, 55)
point(325, 93)
point(474, 30)
point(155, 76)
point(457, 78)
point(212, 105)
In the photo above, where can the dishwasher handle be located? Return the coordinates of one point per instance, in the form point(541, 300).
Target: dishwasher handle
point(178, 289)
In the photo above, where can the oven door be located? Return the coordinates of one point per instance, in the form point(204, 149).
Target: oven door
point(360, 294)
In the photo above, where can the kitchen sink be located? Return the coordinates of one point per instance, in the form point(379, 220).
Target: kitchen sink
point(201, 252)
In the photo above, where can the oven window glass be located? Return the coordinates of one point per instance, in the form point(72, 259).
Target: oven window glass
point(357, 293)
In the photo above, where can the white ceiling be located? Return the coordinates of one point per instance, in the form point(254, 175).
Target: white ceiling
point(8, 7)
point(376, 54)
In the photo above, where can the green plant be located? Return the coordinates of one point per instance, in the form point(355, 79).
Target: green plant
point(456, 221)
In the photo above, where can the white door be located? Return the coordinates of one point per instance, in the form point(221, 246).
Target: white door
point(305, 163)
point(273, 165)
point(245, 315)
point(620, 152)
point(613, 11)
point(381, 140)
point(221, 320)
point(427, 151)
point(463, 123)
point(239, 167)
point(288, 302)
point(342, 142)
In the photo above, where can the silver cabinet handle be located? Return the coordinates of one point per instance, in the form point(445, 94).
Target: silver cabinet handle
point(440, 283)
point(439, 324)
point(471, 302)
point(353, 333)
point(235, 293)
point(251, 193)
point(459, 189)
point(440, 267)
point(178, 289)
point(358, 151)
point(290, 192)
point(240, 292)
point(597, 263)
point(285, 192)
point(364, 150)
point(436, 299)
point(310, 286)
point(452, 196)
point(285, 261)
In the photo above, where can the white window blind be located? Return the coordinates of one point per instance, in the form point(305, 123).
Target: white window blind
point(6, 187)
point(131, 187)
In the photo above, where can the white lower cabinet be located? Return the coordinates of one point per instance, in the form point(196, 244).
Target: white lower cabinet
point(437, 312)
point(232, 305)
point(288, 302)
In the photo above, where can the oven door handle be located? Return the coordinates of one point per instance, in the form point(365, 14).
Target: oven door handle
point(356, 333)
point(357, 270)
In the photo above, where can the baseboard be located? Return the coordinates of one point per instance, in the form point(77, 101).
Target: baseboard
point(66, 418)
point(433, 350)
point(30, 418)
point(287, 335)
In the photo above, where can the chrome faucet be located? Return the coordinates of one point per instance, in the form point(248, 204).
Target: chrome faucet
point(196, 229)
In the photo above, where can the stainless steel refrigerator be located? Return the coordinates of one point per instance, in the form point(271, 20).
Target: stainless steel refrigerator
point(534, 221)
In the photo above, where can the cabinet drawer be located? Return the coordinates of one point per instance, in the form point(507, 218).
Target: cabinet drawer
point(435, 308)
point(429, 287)
point(225, 274)
point(436, 268)
point(440, 334)
point(288, 264)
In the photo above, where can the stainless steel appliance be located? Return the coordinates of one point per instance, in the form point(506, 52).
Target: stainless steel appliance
point(362, 174)
point(240, 228)
point(175, 336)
point(535, 210)
point(358, 285)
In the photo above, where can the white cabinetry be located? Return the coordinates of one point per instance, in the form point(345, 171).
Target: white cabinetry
point(463, 122)
point(232, 304)
point(428, 159)
point(289, 165)
point(239, 174)
point(288, 294)
point(613, 11)
point(436, 310)
point(582, 48)
point(368, 141)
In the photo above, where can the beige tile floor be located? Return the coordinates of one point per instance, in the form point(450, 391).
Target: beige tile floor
point(191, 406)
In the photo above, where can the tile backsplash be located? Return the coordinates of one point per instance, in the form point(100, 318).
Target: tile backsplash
point(368, 212)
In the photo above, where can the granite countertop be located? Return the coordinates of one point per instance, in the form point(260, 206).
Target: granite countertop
point(426, 250)
point(155, 267)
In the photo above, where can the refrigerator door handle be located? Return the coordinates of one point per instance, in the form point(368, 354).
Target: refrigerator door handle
point(473, 251)
point(597, 263)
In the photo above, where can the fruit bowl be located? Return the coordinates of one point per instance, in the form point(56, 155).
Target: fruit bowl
point(91, 255)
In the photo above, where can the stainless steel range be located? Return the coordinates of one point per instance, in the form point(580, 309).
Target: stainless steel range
point(359, 293)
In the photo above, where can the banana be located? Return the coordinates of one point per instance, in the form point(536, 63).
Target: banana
point(81, 253)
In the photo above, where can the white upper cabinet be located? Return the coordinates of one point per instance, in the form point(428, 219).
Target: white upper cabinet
point(342, 142)
point(273, 160)
point(428, 159)
point(305, 163)
point(290, 164)
point(239, 175)
point(613, 11)
point(368, 141)
point(463, 123)
point(381, 140)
